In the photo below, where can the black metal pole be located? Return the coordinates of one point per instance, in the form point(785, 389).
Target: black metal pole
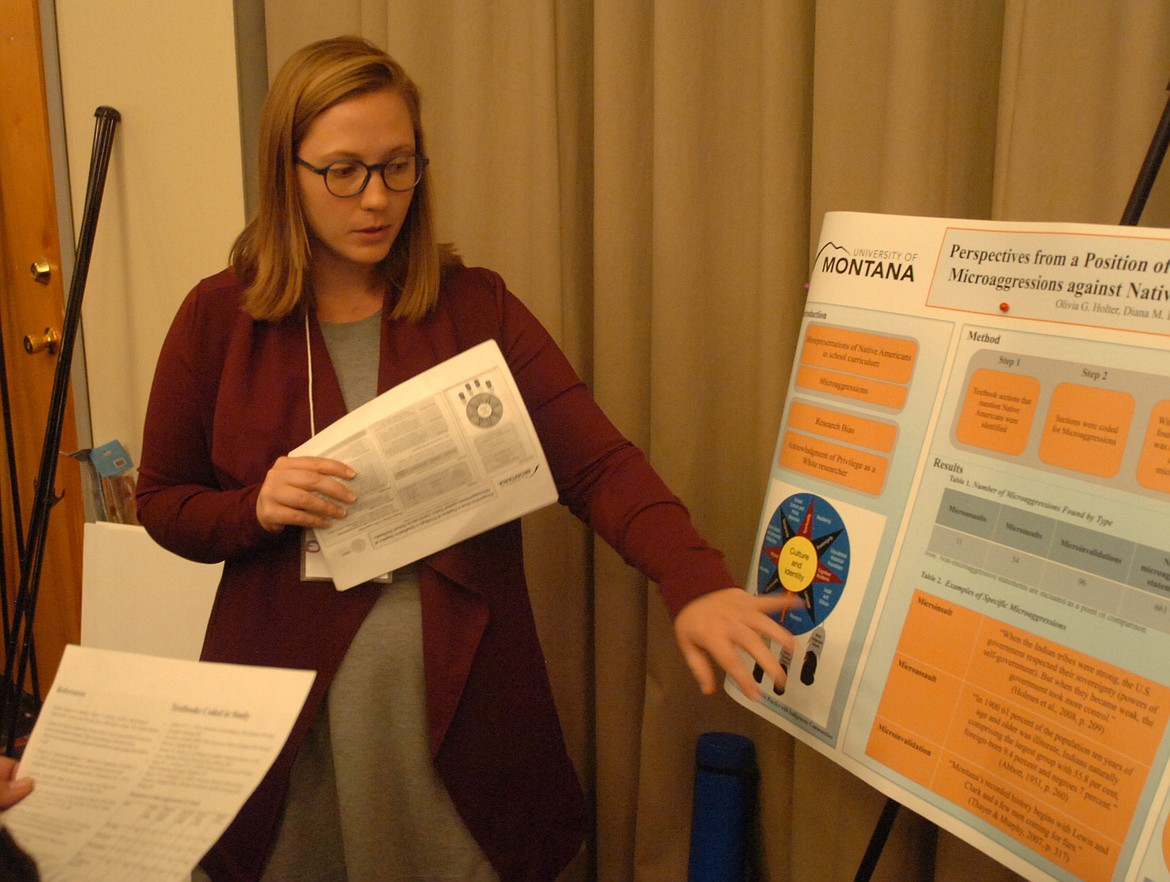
point(13, 488)
point(45, 495)
point(877, 841)
point(1149, 169)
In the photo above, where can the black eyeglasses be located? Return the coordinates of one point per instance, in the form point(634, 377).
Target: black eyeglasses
point(348, 177)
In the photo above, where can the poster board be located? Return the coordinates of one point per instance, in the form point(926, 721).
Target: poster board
point(138, 597)
point(970, 494)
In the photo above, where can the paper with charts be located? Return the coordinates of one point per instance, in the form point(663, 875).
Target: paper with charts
point(446, 455)
point(970, 495)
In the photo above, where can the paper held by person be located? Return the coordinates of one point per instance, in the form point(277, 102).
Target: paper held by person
point(441, 457)
point(141, 762)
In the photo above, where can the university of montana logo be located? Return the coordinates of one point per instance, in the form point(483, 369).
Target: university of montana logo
point(868, 263)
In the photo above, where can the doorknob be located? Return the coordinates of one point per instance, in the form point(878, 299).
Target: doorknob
point(43, 342)
point(41, 271)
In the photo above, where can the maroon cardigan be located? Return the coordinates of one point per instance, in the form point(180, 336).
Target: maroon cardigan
point(230, 395)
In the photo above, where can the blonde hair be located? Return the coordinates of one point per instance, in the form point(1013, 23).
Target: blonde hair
point(271, 254)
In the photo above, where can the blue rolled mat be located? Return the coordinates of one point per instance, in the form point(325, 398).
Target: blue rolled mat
point(726, 778)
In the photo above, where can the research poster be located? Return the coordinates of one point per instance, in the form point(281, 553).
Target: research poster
point(970, 497)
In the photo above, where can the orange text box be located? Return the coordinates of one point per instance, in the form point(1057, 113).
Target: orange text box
point(998, 411)
point(1154, 465)
point(904, 751)
point(839, 426)
point(856, 352)
point(842, 465)
point(939, 633)
point(1086, 429)
point(1049, 831)
point(1074, 709)
point(1049, 745)
point(848, 386)
point(923, 685)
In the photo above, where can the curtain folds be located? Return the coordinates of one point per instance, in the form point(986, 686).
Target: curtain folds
point(650, 177)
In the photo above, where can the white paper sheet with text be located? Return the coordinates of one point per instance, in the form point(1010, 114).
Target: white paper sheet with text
point(444, 456)
point(141, 763)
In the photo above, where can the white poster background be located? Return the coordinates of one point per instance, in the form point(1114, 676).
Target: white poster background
point(1018, 330)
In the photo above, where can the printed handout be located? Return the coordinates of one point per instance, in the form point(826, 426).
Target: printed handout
point(140, 763)
point(445, 455)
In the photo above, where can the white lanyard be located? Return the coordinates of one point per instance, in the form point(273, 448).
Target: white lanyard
point(309, 356)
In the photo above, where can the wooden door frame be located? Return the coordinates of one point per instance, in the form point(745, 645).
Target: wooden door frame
point(34, 158)
point(66, 235)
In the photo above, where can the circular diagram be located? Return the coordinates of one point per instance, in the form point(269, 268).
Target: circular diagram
point(484, 410)
point(806, 552)
point(1166, 843)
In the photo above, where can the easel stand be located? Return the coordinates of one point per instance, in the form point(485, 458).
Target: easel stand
point(18, 637)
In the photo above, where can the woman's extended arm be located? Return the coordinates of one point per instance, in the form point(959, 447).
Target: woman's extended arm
point(608, 482)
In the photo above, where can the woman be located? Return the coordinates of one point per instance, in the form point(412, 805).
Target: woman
point(429, 747)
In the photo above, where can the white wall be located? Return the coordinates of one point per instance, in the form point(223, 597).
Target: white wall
point(174, 197)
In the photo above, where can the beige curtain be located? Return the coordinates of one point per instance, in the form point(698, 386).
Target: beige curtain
point(650, 178)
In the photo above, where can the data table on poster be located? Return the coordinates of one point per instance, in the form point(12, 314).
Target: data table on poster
point(1077, 564)
point(991, 718)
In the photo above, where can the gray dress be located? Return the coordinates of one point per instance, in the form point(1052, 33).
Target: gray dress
point(364, 801)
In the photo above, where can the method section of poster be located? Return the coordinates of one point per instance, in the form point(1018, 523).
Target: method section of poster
point(969, 496)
